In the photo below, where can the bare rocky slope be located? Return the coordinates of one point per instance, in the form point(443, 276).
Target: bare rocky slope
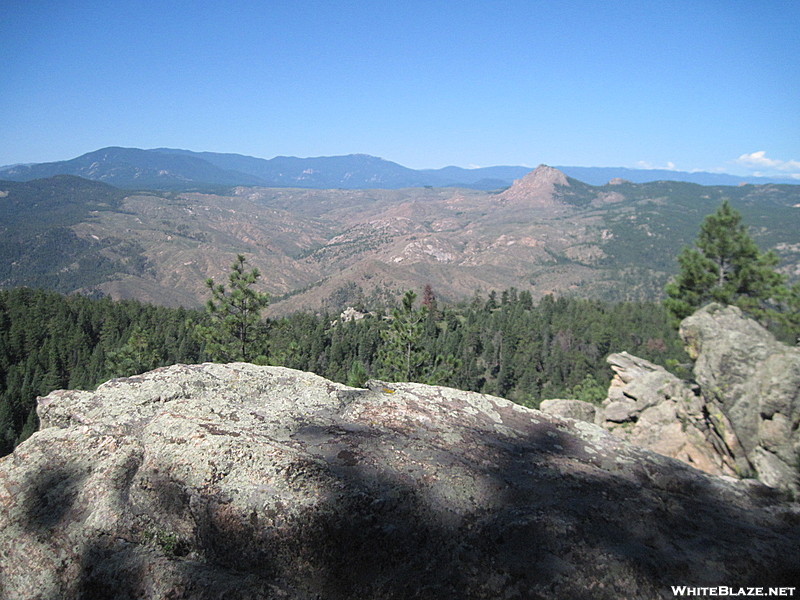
point(332, 248)
point(245, 482)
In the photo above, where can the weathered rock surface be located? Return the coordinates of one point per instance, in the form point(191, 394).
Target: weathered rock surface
point(243, 482)
point(652, 408)
point(756, 381)
point(569, 409)
point(740, 417)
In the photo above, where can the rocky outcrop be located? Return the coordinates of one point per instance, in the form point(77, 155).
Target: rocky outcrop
point(650, 407)
point(244, 482)
point(350, 314)
point(570, 409)
point(756, 381)
point(741, 417)
point(536, 189)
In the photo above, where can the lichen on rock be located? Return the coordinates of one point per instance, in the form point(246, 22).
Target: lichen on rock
point(238, 481)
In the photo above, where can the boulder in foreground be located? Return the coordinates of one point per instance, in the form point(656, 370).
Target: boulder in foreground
point(245, 482)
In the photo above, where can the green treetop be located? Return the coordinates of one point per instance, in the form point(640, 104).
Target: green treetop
point(236, 327)
point(402, 356)
point(725, 266)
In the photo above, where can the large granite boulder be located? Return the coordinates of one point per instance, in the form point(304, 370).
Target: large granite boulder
point(652, 408)
point(570, 409)
point(741, 415)
point(244, 482)
point(756, 381)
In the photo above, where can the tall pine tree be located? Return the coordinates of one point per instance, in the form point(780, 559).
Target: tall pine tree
point(725, 266)
point(402, 357)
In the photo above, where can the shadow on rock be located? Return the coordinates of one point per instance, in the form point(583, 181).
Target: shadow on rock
point(49, 498)
point(407, 491)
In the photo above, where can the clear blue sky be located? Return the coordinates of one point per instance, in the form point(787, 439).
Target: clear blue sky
point(695, 84)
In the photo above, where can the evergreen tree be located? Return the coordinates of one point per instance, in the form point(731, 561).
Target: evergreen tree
point(235, 311)
point(790, 317)
point(136, 356)
point(357, 375)
point(589, 390)
point(725, 266)
point(402, 356)
point(414, 347)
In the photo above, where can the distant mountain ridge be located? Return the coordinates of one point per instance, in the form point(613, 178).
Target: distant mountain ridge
point(184, 170)
point(133, 168)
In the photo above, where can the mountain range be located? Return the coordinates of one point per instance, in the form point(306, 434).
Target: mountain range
point(329, 248)
point(184, 170)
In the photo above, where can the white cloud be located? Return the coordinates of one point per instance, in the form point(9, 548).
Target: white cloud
point(643, 164)
point(766, 166)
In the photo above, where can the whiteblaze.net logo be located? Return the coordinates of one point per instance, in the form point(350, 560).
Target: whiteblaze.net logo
point(724, 591)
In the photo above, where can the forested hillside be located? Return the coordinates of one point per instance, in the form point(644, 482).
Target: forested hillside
point(49, 341)
point(503, 344)
point(40, 248)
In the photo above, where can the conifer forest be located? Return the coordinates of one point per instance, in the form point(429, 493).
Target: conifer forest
point(503, 344)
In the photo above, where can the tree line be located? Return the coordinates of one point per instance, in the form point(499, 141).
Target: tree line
point(504, 344)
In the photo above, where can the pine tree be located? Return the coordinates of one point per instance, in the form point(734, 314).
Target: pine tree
point(725, 266)
point(790, 317)
point(357, 375)
point(429, 299)
point(136, 356)
point(402, 357)
point(235, 311)
point(589, 390)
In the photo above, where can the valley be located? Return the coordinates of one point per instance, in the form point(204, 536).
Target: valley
point(326, 249)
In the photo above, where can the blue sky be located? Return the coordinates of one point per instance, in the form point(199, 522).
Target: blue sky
point(690, 85)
